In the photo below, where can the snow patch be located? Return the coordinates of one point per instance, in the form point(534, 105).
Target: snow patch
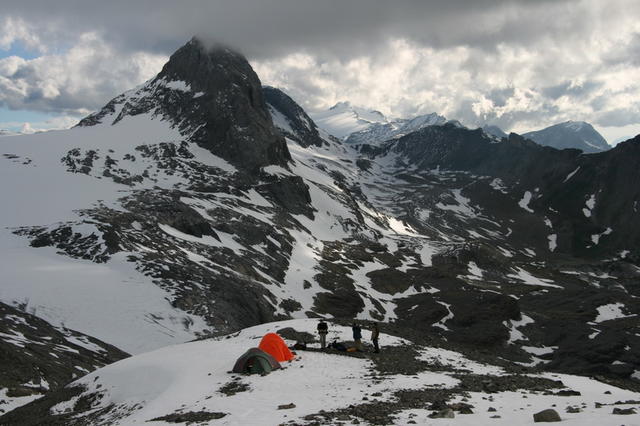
point(544, 350)
point(590, 204)
point(570, 175)
point(180, 85)
point(524, 202)
point(529, 279)
point(441, 324)
point(498, 185)
point(610, 312)
point(462, 206)
point(8, 403)
point(595, 238)
point(475, 272)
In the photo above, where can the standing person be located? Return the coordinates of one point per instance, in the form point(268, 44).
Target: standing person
point(357, 336)
point(375, 334)
point(323, 329)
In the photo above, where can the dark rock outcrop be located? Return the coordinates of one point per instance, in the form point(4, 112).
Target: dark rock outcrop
point(562, 184)
point(38, 357)
point(298, 126)
point(549, 415)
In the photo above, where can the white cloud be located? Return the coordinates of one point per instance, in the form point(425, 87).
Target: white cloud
point(54, 123)
point(519, 64)
point(77, 81)
point(14, 30)
point(515, 86)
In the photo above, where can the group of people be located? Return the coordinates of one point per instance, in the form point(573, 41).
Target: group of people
point(323, 329)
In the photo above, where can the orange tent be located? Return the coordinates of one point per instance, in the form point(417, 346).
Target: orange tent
point(273, 344)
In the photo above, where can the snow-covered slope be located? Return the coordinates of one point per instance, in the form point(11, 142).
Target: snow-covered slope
point(342, 119)
point(570, 134)
point(406, 383)
point(100, 299)
point(494, 130)
point(37, 357)
point(379, 132)
point(356, 125)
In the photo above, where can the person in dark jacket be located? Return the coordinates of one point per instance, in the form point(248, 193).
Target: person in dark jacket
point(357, 336)
point(375, 334)
point(323, 329)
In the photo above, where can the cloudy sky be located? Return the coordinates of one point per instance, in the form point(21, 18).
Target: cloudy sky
point(519, 64)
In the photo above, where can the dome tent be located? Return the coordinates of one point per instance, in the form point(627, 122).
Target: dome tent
point(273, 344)
point(255, 361)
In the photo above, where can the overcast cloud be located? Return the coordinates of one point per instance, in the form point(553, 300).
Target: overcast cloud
point(520, 64)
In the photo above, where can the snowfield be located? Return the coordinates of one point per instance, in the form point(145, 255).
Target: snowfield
point(188, 378)
point(73, 292)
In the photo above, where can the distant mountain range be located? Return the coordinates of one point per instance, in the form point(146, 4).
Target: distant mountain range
point(343, 119)
point(358, 125)
point(570, 134)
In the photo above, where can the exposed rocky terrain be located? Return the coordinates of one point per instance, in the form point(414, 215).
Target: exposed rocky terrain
point(37, 357)
point(408, 382)
point(206, 204)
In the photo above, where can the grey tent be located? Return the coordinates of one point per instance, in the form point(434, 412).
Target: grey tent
point(255, 361)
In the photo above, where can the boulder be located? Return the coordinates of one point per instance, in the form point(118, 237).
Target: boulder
point(447, 413)
point(549, 415)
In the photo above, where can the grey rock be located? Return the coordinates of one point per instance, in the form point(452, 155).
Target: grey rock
point(286, 406)
point(623, 411)
point(447, 413)
point(549, 415)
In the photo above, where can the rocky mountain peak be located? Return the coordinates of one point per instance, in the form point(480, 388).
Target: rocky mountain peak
point(213, 96)
point(208, 68)
point(238, 126)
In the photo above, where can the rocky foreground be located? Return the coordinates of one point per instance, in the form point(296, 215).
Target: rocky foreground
point(409, 382)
